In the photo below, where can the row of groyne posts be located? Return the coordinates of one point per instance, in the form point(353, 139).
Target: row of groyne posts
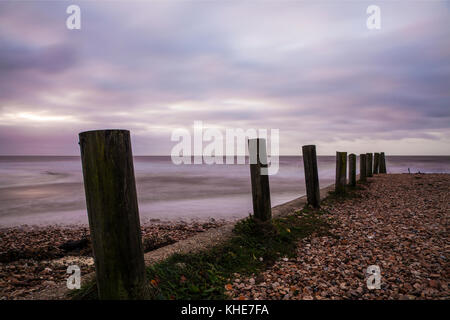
point(112, 204)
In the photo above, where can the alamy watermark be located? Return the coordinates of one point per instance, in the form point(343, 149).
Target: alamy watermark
point(228, 148)
point(373, 277)
point(73, 21)
point(74, 280)
point(373, 22)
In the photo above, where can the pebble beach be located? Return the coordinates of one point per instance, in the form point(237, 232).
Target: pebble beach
point(35, 258)
point(398, 222)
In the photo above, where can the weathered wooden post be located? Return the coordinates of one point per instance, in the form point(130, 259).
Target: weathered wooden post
point(382, 163)
point(341, 172)
point(260, 181)
point(362, 167)
point(352, 170)
point(112, 208)
point(311, 175)
point(376, 163)
point(369, 157)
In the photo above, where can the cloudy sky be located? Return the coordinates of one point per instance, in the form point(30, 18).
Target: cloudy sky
point(309, 68)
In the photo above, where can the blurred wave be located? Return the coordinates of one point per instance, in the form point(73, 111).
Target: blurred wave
point(49, 190)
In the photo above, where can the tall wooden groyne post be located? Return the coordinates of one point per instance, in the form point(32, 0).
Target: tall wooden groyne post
point(376, 163)
point(113, 213)
point(369, 158)
point(260, 182)
point(362, 167)
point(311, 175)
point(341, 172)
point(352, 170)
point(382, 163)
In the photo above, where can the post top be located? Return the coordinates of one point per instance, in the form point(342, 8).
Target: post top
point(107, 131)
point(250, 139)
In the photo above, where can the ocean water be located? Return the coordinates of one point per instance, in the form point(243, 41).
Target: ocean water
point(40, 190)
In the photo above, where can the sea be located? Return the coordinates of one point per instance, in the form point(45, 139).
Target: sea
point(48, 190)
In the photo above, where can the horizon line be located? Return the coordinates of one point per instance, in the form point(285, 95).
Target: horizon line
point(168, 155)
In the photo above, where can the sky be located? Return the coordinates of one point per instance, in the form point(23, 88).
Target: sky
point(311, 69)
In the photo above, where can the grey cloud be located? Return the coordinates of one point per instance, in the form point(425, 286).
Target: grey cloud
point(16, 57)
point(132, 62)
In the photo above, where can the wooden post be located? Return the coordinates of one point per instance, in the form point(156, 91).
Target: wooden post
point(382, 163)
point(112, 208)
point(311, 175)
point(376, 163)
point(352, 170)
point(260, 182)
point(362, 167)
point(369, 157)
point(341, 172)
